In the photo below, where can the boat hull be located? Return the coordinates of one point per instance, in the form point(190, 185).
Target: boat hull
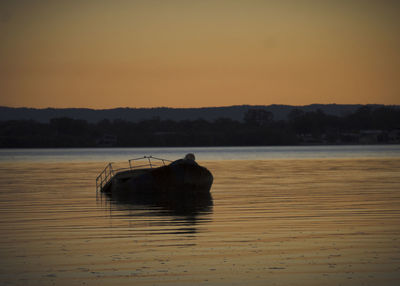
point(179, 180)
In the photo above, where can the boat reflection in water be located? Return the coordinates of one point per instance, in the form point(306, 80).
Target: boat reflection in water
point(184, 205)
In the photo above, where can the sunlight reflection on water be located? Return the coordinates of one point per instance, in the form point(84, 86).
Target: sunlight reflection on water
point(276, 222)
point(202, 153)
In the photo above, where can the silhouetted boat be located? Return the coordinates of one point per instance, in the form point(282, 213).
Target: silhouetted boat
point(180, 180)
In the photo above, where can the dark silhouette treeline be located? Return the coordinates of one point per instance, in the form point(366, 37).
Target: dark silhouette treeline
point(365, 126)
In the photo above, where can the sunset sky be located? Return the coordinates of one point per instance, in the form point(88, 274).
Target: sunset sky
point(106, 54)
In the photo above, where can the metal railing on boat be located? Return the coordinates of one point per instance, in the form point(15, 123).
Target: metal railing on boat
point(105, 177)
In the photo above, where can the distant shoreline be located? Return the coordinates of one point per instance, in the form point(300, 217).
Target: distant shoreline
point(235, 112)
point(258, 127)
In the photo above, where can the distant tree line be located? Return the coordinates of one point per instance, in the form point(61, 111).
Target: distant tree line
point(366, 125)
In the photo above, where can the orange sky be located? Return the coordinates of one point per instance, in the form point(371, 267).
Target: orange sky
point(105, 54)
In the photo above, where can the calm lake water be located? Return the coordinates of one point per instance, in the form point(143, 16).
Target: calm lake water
point(278, 216)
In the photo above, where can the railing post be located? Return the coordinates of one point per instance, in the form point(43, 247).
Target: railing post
point(111, 170)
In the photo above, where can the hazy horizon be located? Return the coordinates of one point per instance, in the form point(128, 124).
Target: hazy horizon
point(194, 107)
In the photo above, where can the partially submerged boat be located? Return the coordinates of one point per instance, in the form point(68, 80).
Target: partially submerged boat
point(156, 178)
